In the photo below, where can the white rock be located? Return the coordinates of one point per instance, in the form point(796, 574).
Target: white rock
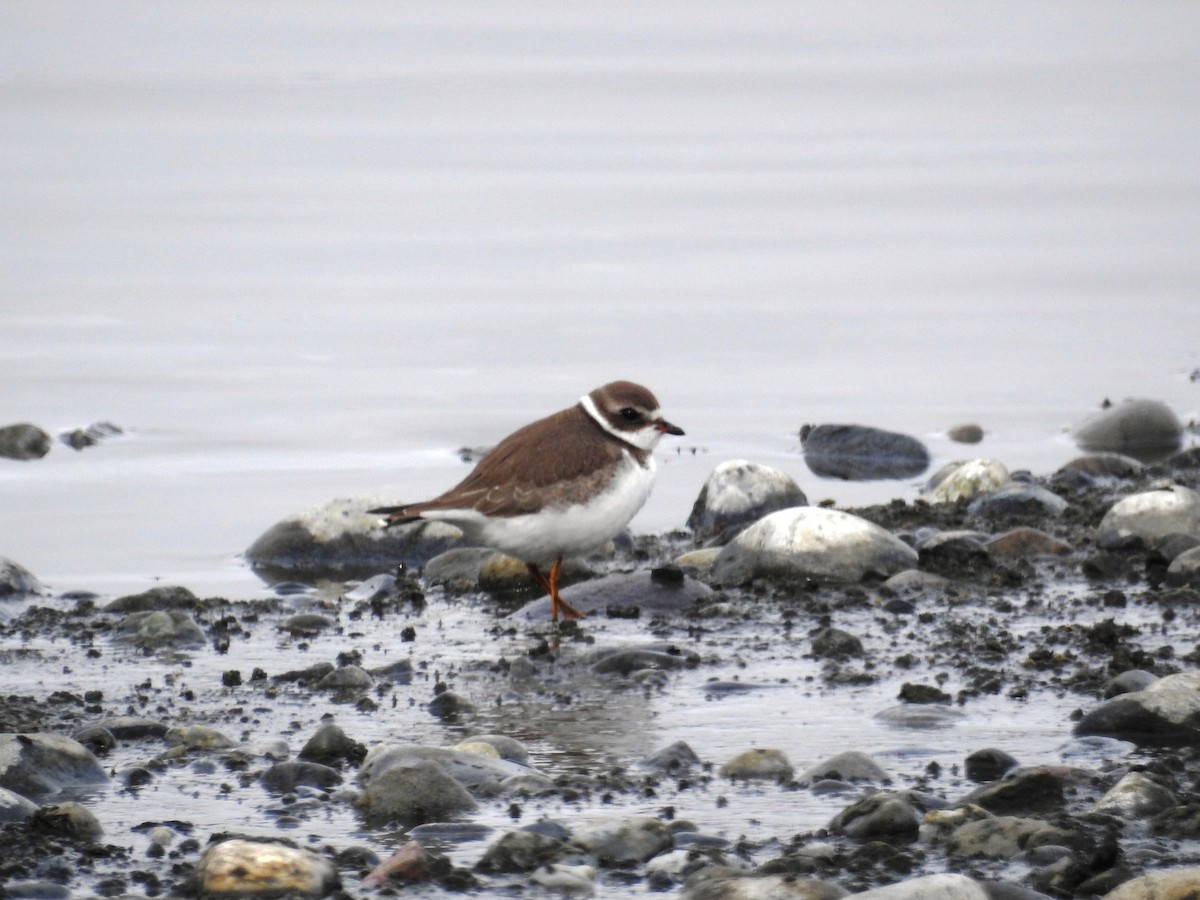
point(1167, 884)
point(573, 880)
point(812, 542)
point(965, 480)
point(931, 887)
point(1152, 514)
point(739, 492)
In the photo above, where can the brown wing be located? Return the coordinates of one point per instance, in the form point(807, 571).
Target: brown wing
point(574, 464)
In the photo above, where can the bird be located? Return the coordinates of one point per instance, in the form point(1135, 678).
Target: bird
point(558, 487)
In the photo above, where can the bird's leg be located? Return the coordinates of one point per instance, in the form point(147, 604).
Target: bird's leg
point(550, 586)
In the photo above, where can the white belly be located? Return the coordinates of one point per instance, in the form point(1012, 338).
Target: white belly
point(566, 530)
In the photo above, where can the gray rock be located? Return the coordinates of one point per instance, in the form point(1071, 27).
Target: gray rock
point(1038, 789)
point(678, 757)
point(449, 705)
point(1103, 466)
point(23, 441)
point(626, 661)
point(459, 567)
point(737, 493)
point(14, 807)
point(1129, 682)
point(929, 887)
point(330, 746)
point(621, 841)
point(475, 772)
point(989, 764)
point(1001, 837)
point(132, 728)
point(810, 542)
point(759, 764)
point(833, 643)
point(306, 624)
point(915, 582)
point(881, 816)
point(1166, 712)
point(506, 747)
point(661, 590)
point(157, 598)
point(79, 438)
point(1025, 543)
point(850, 765)
point(342, 539)
point(965, 480)
point(968, 433)
point(38, 766)
point(1151, 515)
point(862, 453)
point(1184, 569)
point(412, 795)
point(1144, 429)
point(158, 629)
point(920, 716)
point(198, 737)
point(1016, 499)
point(519, 851)
point(287, 776)
point(71, 819)
point(245, 868)
point(346, 678)
point(16, 581)
point(1135, 797)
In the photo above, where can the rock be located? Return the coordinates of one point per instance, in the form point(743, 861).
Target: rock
point(79, 438)
point(458, 568)
point(833, 643)
point(330, 746)
point(72, 820)
point(622, 841)
point(737, 493)
point(969, 433)
point(306, 624)
point(920, 716)
point(1143, 429)
point(1017, 500)
point(245, 867)
point(810, 542)
point(349, 678)
point(412, 795)
point(37, 766)
point(1129, 682)
point(287, 776)
point(341, 539)
point(721, 885)
point(1038, 789)
point(572, 881)
point(626, 661)
point(965, 480)
point(1135, 797)
point(914, 581)
point(698, 562)
point(519, 851)
point(989, 764)
point(1184, 569)
point(199, 737)
point(23, 441)
point(881, 816)
point(410, 864)
point(449, 705)
point(759, 764)
point(1166, 712)
point(930, 887)
point(158, 629)
point(1025, 543)
point(922, 693)
point(16, 581)
point(861, 453)
point(1113, 466)
point(479, 774)
point(157, 598)
point(505, 747)
point(1002, 837)
point(850, 765)
point(1151, 515)
point(14, 807)
point(132, 728)
point(662, 590)
point(1179, 883)
point(672, 760)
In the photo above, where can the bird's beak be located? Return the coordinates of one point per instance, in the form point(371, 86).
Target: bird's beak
point(666, 427)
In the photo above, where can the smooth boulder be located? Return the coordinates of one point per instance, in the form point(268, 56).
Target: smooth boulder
point(862, 453)
point(1143, 429)
point(737, 493)
point(811, 542)
point(1151, 515)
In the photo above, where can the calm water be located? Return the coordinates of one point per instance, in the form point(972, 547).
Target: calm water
point(302, 251)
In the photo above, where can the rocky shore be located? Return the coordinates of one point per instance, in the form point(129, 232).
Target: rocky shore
point(364, 728)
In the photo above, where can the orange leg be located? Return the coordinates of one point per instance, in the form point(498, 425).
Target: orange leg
point(550, 586)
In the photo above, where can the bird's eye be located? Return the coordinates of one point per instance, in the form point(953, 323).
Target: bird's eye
point(629, 414)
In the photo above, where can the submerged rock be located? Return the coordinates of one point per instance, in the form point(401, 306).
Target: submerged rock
point(850, 765)
point(1166, 712)
point(519, 851)
point(412, 795)
point(626, 594)
point(1135, 797)
point(159, 628)
point(737, 493)
point(880, 816)
point(1144, 429)
point(624, 840)
point(70, 819)
point(946, 886)
point(862, 453)
point(759, 764)
point(823, 544)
